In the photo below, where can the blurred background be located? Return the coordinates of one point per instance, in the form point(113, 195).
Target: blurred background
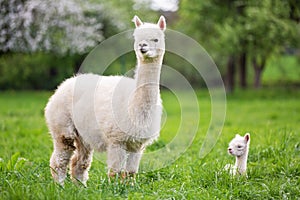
point(254, 43)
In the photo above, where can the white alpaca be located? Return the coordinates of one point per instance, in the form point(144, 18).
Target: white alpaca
point(116, 114)
point(239, 147)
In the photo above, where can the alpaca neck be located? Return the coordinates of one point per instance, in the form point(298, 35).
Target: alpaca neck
point(148, 72)
point(142, 106)
point(147, 83)
point(241, 163)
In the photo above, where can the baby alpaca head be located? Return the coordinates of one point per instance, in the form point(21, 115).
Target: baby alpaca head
point(239, 145)
point(149, 38)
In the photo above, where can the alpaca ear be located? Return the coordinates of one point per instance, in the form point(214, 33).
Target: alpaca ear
point(162, 23)
point(137, 21)
point(247, 137)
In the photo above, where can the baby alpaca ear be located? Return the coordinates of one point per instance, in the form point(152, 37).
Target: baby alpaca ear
point(162, 23)
point(247, 137)
point(137, 21)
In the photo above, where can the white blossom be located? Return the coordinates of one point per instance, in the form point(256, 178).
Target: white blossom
point(49, 25)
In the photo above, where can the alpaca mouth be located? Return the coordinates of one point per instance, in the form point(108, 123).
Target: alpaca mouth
point(148, 53)
point(143, 51)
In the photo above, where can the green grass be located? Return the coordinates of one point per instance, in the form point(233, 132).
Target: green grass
point(282, 70)
point(271, 116)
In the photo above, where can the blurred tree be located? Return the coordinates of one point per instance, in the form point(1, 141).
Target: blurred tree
point(294, 11)
point(268, 30)
point(213, 24)
point(63, 26)
point(34, 71)
point(60, 26)
point(44, 41)
point(241, 30)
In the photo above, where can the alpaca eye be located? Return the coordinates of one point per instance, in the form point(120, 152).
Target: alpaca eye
point(239, 146)
point(155, 40)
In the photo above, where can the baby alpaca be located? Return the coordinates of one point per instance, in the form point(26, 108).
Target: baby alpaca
point(116, 114)
point(239, 147)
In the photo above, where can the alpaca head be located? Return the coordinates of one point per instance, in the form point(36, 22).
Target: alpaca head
point(239, 145)
point(149, 39)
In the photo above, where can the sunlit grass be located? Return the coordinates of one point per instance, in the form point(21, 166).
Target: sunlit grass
point(271, 116)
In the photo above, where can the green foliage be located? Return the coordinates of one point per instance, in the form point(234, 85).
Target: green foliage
point(268, 28)
point(270, 115)
point(184, 68)
point(34, 71)
point(261, 28)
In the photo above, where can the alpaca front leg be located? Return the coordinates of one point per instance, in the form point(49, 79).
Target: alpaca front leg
point(63, 150)
point(133, 161)
point(58, 165)
point(116, 159)
point(81, 162)
point(80, 167)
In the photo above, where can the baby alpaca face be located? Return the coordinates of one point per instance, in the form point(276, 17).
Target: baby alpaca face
point(239, 145)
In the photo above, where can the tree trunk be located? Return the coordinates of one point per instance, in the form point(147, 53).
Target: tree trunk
point(258, 69)
point(243, 70)
point(257, 78)
point(230, 73)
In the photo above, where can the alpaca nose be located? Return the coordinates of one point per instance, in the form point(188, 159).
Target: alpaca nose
point(229, 150)
point(143, 47)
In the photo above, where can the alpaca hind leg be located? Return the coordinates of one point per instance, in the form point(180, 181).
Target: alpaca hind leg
point(81, 162)
point(63, 150)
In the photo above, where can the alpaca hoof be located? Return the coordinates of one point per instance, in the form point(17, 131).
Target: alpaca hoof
point(117, 175)
point(112, 174)
point(79, 182)
point(124, 177)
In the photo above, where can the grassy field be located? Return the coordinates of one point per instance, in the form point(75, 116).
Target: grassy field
point(282, 70)
point(271, 116)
